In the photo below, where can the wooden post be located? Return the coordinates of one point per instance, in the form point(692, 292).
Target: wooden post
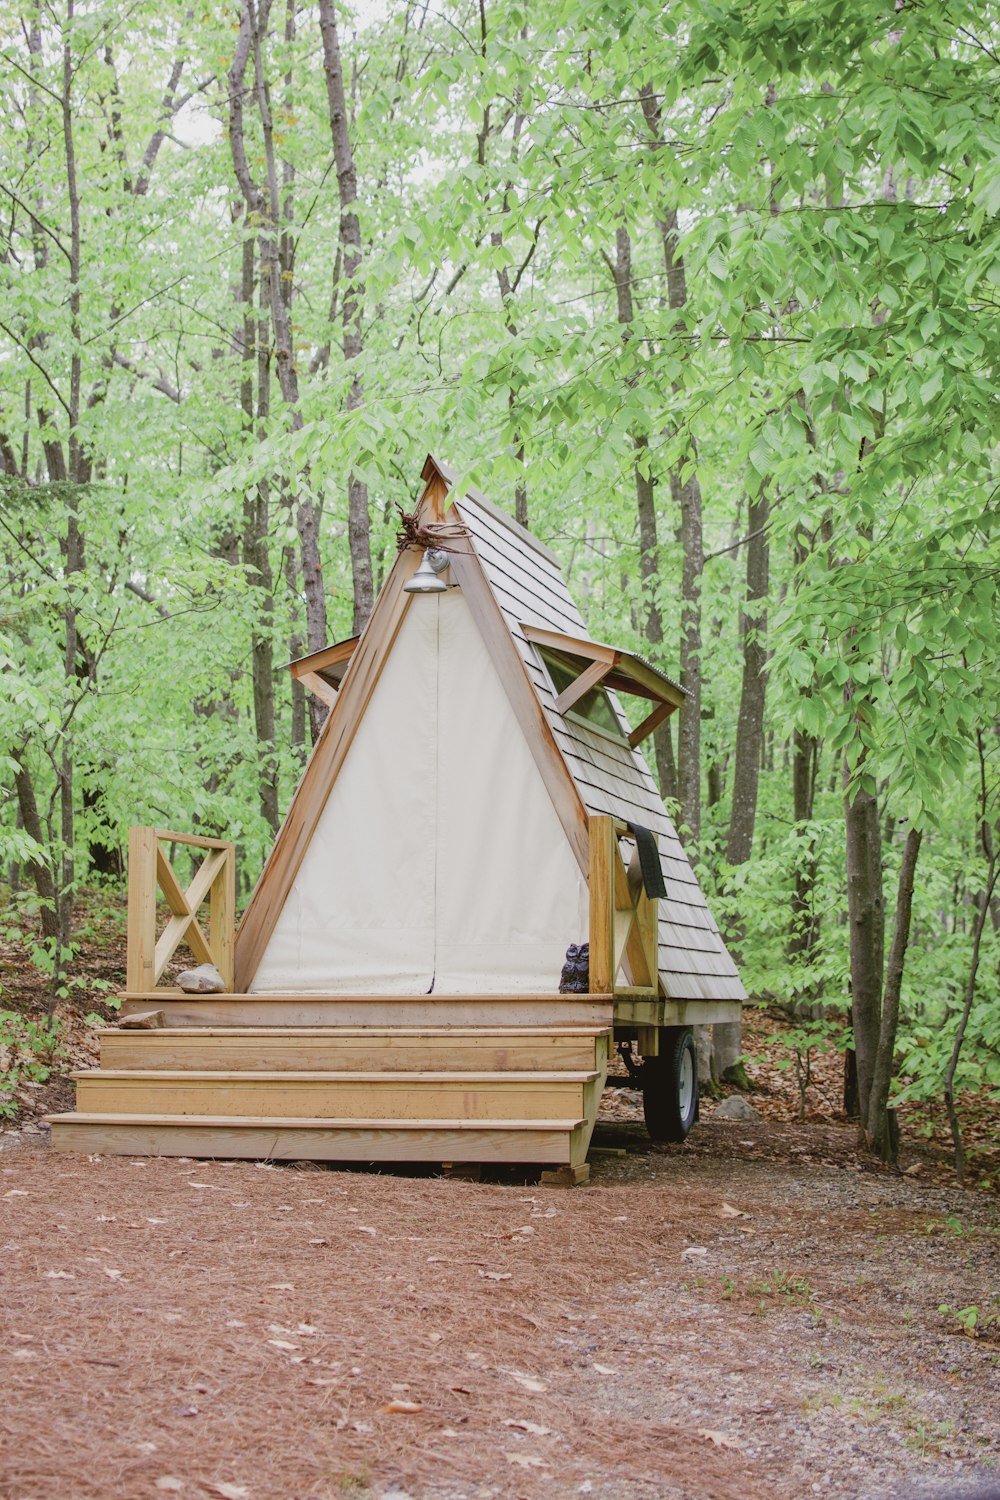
point(222, 919)
point(602, 903)
point(141, 929)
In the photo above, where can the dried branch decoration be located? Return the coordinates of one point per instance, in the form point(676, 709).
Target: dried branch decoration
point(437, 538)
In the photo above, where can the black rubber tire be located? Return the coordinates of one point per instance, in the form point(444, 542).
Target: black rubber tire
point(669, 1117)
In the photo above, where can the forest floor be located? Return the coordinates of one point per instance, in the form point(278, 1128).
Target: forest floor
point(756, 1313)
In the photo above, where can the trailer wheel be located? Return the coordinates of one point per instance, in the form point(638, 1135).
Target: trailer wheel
point(670, 1086)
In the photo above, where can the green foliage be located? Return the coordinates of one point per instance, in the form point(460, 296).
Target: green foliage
point(28, 1052)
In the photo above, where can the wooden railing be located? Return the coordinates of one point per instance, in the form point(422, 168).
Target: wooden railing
point(623, 936)
point(214, 881)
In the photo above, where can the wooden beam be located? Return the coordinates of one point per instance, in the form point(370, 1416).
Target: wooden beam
point(601, 838)
point(141, 922)
point(330, 656)
point(316, 684)
point(651, 722)
point(587, 680)
point(573, 644)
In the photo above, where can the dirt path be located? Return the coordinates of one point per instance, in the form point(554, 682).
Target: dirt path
point(226, 1329)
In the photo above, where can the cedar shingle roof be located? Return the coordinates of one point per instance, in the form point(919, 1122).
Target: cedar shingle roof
point(611, 777)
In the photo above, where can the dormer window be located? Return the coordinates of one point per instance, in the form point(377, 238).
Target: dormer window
point(593, 708)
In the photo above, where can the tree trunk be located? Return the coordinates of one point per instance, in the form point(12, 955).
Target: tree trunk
point(686, 493)
point(805, 921)
point(358, 519)
point(32, 823)
point(727, 1040)
point(645, 500)
point(750, 725)
point(881, 1129)
point(255, 549)
point(866, 912)
point(264, 208)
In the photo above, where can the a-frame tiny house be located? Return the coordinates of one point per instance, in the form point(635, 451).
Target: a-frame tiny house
point(475, 803)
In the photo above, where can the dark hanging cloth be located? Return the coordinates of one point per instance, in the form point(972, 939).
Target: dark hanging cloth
point(649, 860)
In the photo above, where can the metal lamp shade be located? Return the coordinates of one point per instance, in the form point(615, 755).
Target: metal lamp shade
point(426, 580)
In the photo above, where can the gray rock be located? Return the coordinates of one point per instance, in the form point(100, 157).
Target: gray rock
point(736, 1108)
point(204, 980)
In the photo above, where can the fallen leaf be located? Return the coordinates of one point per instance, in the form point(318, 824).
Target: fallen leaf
point(112, 1273)
point(187, 1411)
point(406, 1408)
point(156, 1221)
point(727, 1211)
point(169, 1482)
point(60, 1275)
point(281, 1286)
point(720, 1439)
point(213, 1187)
point(495, 1275)
point(317, 1381)
point(435, 1338)
point(17, 1193)
point(532, 1427)
point(529, 1382)
point(282, 1344)
point(319, 1242)
point(526, 1460)
point(227, 1491)
point(364, 1229)
point(105, 1218)
point(605, 1370)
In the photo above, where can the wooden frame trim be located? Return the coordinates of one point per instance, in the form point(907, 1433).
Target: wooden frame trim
point(589, 678)
point(623, 919)
point(330, 656)
point(215, 879)
point(650, 722)
point(625, 671)
point(329, 753)
point(318, 685)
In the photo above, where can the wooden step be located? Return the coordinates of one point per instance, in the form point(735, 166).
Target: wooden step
point(555, 1142)
point(391, 1011)
point(355, 1049)
point(328, 1095)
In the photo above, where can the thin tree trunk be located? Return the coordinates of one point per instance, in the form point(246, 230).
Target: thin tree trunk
point(32, 823)
point(686, 492)
point(352, 304)
point(882, 1131)
point(983, 907)
point(264, 208)
point(866, 912)
point(805, 921)
point(645, 500)
point(750, 725)
point(255, 549)
point(727, 1040)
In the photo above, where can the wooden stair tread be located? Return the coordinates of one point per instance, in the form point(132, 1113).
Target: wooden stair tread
point(407, 1033)
point(285, 1122)
point(413, 1075)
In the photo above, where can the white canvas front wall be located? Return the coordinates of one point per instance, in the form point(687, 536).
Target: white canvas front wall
point(510, 894)
point(359, 918)
point(438, 859)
